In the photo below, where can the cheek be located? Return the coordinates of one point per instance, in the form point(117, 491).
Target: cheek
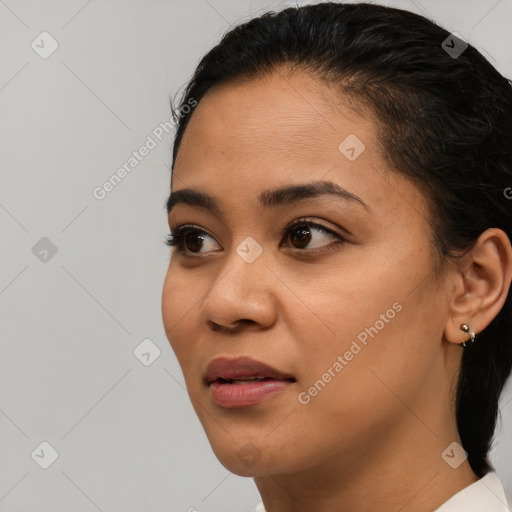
point(179, 303)
point(380, 328)
point(356, 297)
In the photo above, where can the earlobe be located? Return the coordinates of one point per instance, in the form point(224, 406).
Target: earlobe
point(483, 283)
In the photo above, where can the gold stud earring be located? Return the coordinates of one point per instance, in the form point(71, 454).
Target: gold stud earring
point(472, 335)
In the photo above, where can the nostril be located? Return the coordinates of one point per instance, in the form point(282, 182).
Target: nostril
point(213, 326)
point(231, 329)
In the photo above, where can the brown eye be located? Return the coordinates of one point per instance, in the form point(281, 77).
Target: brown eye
point(311, 236)
point(301, 236)
point(193, 241)
point(189, 240)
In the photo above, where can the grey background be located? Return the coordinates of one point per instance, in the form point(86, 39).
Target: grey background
point(126, 434)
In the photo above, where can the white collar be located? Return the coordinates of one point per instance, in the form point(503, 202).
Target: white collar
point(485, 495)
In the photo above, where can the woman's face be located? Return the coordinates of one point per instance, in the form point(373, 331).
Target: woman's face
point(347, 309)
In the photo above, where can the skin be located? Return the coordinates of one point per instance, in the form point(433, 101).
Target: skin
point(372, 438)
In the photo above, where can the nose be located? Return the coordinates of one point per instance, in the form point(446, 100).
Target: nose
point(241, 297)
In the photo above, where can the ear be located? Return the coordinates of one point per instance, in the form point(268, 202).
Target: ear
point(481, 285)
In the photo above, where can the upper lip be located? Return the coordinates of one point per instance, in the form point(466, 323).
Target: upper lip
point(240, 368)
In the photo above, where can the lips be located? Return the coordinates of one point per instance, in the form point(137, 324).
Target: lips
point(242, 369)
point(243, 382)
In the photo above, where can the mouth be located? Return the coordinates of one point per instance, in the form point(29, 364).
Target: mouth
point(243, 382)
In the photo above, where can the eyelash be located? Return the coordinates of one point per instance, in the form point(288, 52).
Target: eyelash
point(177, 237)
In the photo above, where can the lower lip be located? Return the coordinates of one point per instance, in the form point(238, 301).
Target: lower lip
point(244, 395)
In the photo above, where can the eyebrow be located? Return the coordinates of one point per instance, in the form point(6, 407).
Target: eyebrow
point(268, 199)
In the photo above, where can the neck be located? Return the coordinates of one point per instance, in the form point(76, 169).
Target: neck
point(405, 472)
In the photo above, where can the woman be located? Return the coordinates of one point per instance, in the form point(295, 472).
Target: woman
point(338, 291)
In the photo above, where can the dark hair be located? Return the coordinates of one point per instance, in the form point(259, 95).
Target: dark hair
point(444, 121)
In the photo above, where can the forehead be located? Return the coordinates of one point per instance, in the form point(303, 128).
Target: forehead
point(278, 116)
point(245, 137)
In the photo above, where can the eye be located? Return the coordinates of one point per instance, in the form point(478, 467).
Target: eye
point(305, 234)
point(189, 238)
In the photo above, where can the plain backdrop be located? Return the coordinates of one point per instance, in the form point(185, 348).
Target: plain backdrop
point(81, 277)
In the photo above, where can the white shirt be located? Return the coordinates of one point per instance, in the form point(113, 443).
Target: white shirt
point(485, 495)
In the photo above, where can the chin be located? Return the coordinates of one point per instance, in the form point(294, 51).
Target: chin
point(244, 462)
point(240, 455)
